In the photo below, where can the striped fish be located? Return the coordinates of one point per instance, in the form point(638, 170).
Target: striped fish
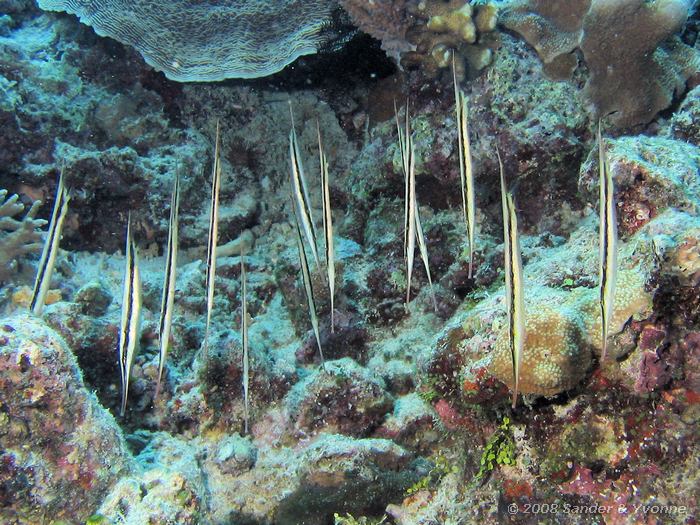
point(422, 247)
point(412, 226)
point(300, 194)
point(308, 287)
point(404, 165)
point(131, 315)
point(327, 225)
point(608, 244)
point(465, 167)
point(168, 296)
point(213, 233)
point(411, 215)
point(48, 255)
point(514, 281)
point(244, 337)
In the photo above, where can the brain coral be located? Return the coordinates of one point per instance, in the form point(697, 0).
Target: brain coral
point(555, 357)
point(191, 40)
point(635, 66)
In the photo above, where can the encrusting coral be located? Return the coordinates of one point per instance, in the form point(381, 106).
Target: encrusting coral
point(18, 237)
point(555, 357)
point(631, 77)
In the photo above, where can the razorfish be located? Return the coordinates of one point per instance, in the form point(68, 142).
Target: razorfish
point(131, 315)
point(465, 167)
point(422, 246)
point(413, 230)
point(402, 151)
point(168, 295)
point(42, 282)
point(514, 281)
point(213, 233)
point(608, 244)
point(244, 338)
point(327, 225)
point(308, 287)
point(300, 195)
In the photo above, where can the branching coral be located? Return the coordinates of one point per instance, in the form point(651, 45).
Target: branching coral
point(635, 67)
point(18, 237)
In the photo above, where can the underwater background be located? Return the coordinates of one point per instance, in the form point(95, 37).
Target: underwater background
point(349, 354)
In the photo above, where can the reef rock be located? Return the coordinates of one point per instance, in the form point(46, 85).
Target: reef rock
point(60, 451)
point(346, 398)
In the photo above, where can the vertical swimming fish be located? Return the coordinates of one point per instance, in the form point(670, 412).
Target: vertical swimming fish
point(48, 255)
point(168, 295)
point(300, 194)
point(422, 247)
point(308, 287)
point(327, 225)
point(411, 215)
point(514, 281)
point(244, 338)
point(131, 315)
point(465, 166)
point(608, 243)
point(213, 233)
point(412, 226)
point(404, 165)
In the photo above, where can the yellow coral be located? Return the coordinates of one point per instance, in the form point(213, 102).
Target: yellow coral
point(554, 356)
point(458, 22)
point(561, 330)
point(23, 296)
point(486, 18)
point(445, 27)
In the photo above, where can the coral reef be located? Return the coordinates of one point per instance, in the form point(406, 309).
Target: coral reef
point(60, 452)
point(410, 422)
point(386, 20)
point(241, 39)
point(636, 80)
point(444, 28)
point(555, 357)
point(424, 35)
point(18, 237)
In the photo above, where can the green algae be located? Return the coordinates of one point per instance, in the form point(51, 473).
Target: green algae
point(441, 467)
point(97, 519)
point(500, 450)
